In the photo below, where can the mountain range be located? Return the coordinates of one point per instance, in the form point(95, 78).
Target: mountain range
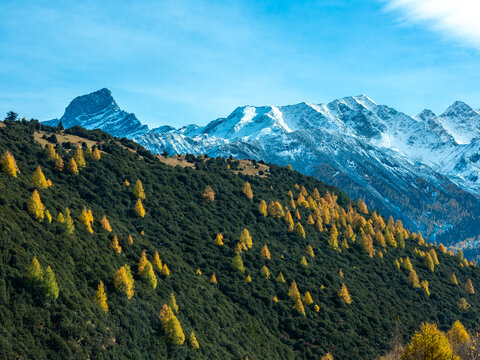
point(422, 169)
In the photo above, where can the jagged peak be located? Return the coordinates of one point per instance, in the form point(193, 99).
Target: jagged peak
point(456, 107)
point(426, 114)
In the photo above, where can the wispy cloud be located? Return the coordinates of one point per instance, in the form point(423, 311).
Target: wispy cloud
point(458, 20)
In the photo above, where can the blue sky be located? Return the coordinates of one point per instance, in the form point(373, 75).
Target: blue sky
point(179, 62)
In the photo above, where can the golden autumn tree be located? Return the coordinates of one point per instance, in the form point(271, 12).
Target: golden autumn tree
point(138, 190)
point(247, 190)
point(59, 164)
point(333, 238)
point(208, 194)
point(171, 326)
point(101, 297)
point(319, 224)
point(130, 239)
point(299, 230)
point(442, 248)
point(433, 255)
point(48, 216)
point(72, 166)
point(428, 343)
point(303, 261)
point(36, 207)
point(262, 208)
point(307, 299)
point(265, 252)
point(148, 275)
point(362, 207)
point(428, 262)
point(299, 307)
point(458, 338)
point(142, 262)
point(50, 284)
point(265, 272)
point(105, 224)
point(9, 165)
point(96, 154)
point(156, 262)
point(237, 264)
point(327, 356)
point(280, 278)
point(165, 270)
point(248, 279)
point(172, 302)
point(79, 158)
point(68, 224)
point(288, 219)
point(86, 218)
point(407, 264)
point(453, 279)
point(218, 240)
point(115, 246)
point(246, 238)
point(344, 295)
point(413, 279)
point(123, 281)
point(469, 289)
point(34, 272)
point(213, 279)
point(38, 179)
point(138, 208)
point(309, 251)
point(293, 291)
point(192, 340)
point(50, 152)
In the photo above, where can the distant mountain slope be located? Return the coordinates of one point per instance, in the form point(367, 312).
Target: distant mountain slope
point(423, 169)
point(232, 318)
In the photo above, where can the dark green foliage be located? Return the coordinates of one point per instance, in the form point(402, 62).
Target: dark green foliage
point(231, 319)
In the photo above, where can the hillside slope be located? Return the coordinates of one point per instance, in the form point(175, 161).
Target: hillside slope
point(232, 318)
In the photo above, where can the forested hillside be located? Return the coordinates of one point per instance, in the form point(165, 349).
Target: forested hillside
point(106, 252)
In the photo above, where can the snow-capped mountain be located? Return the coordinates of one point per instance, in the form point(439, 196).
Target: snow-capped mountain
point(99, 110)
point(423, 169)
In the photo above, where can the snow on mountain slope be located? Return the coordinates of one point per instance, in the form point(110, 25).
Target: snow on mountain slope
point(462, 122)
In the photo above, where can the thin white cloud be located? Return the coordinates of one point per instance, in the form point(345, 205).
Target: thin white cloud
point(456, 19)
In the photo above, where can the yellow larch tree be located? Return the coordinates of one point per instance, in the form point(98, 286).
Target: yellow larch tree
point(172, 302)
point(280, 278)
point(265, 272)
point(453, 279)
point(138, 190)
point(333, 240)
point(9, 165)
point(310, 220)
point(123, 281)
point(34, 272)
point(247, 190)
point(319, 224)
point(208, 194)
point(307, 299)
point(288, 219)
point(309, 251)
point(407, 264)
point(362, 207)
point(297, 215)
point(79, 158)
point(126, 183)
point(38, 179)
point(171, 326)
point(156, 262)
point(237, 264)
point(96, 154)
point(303, 261)
point(379, 239)
point(299, 230)
point(458, 338)
point(265, 252)
point(434, 256)
point(428, 343)
point(86, 218)
point(50, 152)
point(148, 275)
point(246, 238)
point(344, 295)
point(142, 262)
point(101, 297)
point(50, 283)
point(36, 207)
point(327, 356)
point(442, 248)
point(424, 285)
point(115, 246)
point(130, 239)
point(469, 289)
point(413, 279)
point(192, 340)
point(59, 164)
point(428, 262)
point(299, 307)
point(293, 291)
point(68, 222)
point(72, 166)
point(213, 279)
point(218, 240)
point(139, 209)
point(48, 216)
point(262, 208)
point(165, 270)
point(105, 223)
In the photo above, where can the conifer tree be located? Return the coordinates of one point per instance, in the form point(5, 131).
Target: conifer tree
point(101, 297)
point(262, 208)
point(130, 239)
point(126, 183)
point(248, 279)
point(280, 278)
point(79, 158)
point(142, 262)
point(316, 194)
point(327, 356)
point(362, 207)
point(303, 261)
point(316, 308)
point(148, 275)
point(36, 207)
point(246, 238)
point(48, 216)
point(38, 179)
point(310, 220)
point(413, 279)
point(193, 341)
point(213, 279)
point(293, 291)
point(288, 218)
point(50, 152)
point(297, 215)
point(34, 272)
point(157, 263)
point(96, 154)
point(219, 240)
point(407, 264)
point(50, 284)
point(172, 302)
point(379, 239)
point(469, 289)
point(105, 224)
point(367, 244)
point(333, 240)
point(397, 264)
point(428, 262)
point(171, 326)
point(319, 224)
point(265, 252)
point(299, 230)
point(458, 338)
point(424, 285)
point(237, 264)
point(344, 244)
point(123, 281)
point(86, 218)
point(115, 246)
point(389, 239)
point(344, 295)
point(9, 165)
point(165, 270)
point(247, 190)
point(68, 222)
point(59, 164)
point(453, 279)
point(429, 343)
point(265, 272)
point(307, 299)
point(299, 307)
point(464, 305)
point(442, 248)
point(309, 251)
point(138, 208)
point(138, 190)
point(208, 194)
point(72, 166)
